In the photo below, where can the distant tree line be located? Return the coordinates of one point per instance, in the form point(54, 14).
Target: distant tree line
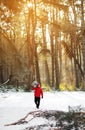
point(42, 40)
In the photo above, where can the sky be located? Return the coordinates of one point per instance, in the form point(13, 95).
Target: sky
point(16, 105)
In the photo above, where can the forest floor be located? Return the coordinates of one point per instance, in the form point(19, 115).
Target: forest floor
point(58, 111)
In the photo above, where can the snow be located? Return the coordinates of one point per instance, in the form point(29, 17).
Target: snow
point(15, 105)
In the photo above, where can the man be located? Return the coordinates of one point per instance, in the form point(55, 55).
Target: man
point(38, 93)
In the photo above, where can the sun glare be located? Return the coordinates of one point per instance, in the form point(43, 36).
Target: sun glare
point(61, 14)
point(29, 4)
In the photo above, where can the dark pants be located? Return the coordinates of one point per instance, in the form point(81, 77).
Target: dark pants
point(37, 101)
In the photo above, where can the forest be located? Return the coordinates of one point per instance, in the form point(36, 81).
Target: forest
point(43, 40)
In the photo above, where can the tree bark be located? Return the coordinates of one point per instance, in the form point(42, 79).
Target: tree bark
point(83, 41)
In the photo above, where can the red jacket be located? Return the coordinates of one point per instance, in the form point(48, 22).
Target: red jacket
point(38, 91)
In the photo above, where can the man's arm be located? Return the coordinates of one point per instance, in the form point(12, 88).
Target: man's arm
point(33, 88)
point(41, 92)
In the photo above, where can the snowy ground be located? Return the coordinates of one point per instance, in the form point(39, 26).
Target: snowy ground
point(14, 106)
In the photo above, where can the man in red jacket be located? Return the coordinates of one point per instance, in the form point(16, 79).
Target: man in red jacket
point(38, 93)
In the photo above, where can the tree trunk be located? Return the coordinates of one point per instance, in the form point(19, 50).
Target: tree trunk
point(57, 65)
point(75, 50)
point(35, 46)
point(44, 46)
point(83, 41)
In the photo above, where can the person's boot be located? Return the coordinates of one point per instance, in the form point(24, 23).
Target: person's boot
point(37, 106)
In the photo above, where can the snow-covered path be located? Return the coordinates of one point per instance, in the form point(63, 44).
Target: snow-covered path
point(14, 106)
